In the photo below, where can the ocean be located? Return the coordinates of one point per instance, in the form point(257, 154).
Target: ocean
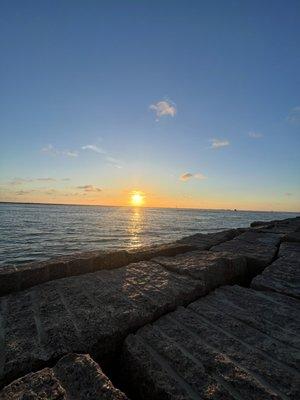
point(35, 232)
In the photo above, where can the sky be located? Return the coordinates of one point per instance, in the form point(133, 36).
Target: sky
point(187, 103)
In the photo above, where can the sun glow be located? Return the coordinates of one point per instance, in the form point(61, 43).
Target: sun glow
point(137, 199)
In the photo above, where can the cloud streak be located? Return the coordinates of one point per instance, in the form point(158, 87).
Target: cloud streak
point(21, 181)
point(164, 108)
point(51, 150)
point(90, 188)
point(187, 176)
point(217, 143)
point(94, 148)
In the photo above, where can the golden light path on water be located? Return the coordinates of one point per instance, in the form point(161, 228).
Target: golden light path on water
point(135, 226)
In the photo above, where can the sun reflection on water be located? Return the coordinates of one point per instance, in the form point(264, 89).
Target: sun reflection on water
point(135, 227)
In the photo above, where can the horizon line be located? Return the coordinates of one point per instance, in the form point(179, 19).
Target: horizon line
point(147, 207)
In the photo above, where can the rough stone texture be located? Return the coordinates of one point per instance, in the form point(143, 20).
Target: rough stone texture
point(258, 248)
point(236, 343)
point(205, 241)
point(74, 377)
point(283, 275)
point(14, 279)
point(213, 268)
point(285, 226)
point(289, 249)
point(91, 313)
point(167, 250)
point(292, 237)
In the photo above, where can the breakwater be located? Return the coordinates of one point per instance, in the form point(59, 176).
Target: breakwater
point(211, 316)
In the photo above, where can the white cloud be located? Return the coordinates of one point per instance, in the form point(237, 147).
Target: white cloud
point(164, 108)
point(255, 135)
point(94, 148)
point(70, 153)
point(216, 143)
point(114, 162)
point(89, 188)
point(185, 177)
point(294, 115)
point(50, 149)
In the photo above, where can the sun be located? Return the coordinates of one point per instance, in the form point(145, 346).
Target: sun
point(137, 199)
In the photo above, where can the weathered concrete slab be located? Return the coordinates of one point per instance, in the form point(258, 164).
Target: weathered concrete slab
point(166, 250)
point(14, 279)
point(292, 237)
point(73, 377)
point(236, 343)
point(290, 250)
point(283, 275)
point(285, 226)
point(213, 268)
point(91, 313)
point(258, 248)
point(204, 241)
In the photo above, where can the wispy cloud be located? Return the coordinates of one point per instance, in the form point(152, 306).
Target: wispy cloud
point(23, 192)
point(114, 162)
point(50, 149)
point(217, 143)
point(111, 160)
point(255, 135)
point(288, 194)
point(187, 176)
point(89, 188)
point(21, 181)
point(294, 115)
point(94, 148)
point(164, 108)
point(70, 153)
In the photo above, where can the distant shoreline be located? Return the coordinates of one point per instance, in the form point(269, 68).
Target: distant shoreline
point(162, 208)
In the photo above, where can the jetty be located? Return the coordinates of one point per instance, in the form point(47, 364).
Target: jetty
point(208, 317)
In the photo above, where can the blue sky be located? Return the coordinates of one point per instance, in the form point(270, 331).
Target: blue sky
point(194, 104)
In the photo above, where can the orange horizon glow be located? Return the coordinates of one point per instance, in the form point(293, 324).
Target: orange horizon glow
point(149, 197)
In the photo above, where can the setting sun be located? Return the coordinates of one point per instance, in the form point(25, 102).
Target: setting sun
point(137, 199)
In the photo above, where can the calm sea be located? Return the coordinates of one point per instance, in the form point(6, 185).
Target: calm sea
point(39, 232)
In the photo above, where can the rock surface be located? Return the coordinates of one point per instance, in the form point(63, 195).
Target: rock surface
point(205, 241)
point(91, 313)
point(235, 343)
point(213, 268)
point(283, 275)
point(285, 226)
point(74, 377)
point(258, 248)
point(14, 279)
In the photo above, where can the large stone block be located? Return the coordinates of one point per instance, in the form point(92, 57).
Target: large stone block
point(25, 276)
point(73, 377)
point(290, 250)
point(233, 344)
point(285, 226)
point(283, 275)
point(90, 313)
point(31, 274)
point(213, 268)
point(167, 250)
point(204, 241)
point(258, 248)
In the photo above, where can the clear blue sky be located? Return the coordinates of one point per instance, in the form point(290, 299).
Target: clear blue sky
point(193, 103)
